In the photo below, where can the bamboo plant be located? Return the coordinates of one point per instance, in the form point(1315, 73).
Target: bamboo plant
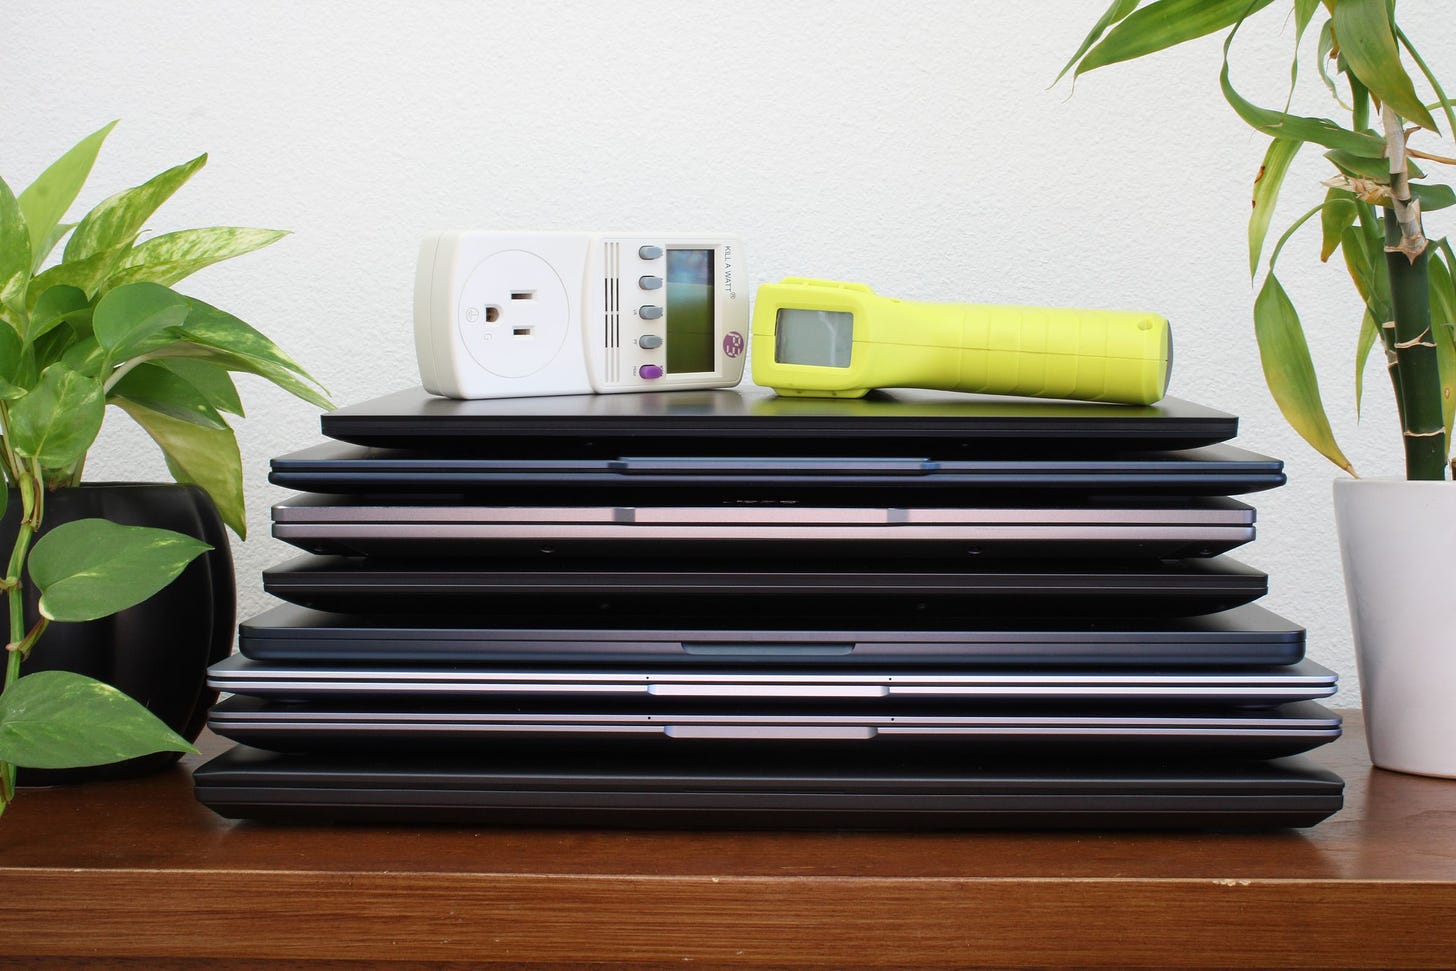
point(1372, 206)
point(102, 326)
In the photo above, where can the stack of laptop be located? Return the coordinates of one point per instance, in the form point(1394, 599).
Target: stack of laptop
point(727, 608)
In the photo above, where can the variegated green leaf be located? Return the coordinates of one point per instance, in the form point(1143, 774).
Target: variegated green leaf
point(63, 720)
point(214, 383)
point(53, 306)
point(57, 421)
point(227, 341)
point(91, 568)
point(1165, 24)
point(175, 256)
point(162, 390)
point(207, 457)
point(1367, 43)
point(121, 218)
point(1289, 370)
point(1267, 183)
point(85, 274)
point(14, 260)
point(129, 316)
point(46, 199)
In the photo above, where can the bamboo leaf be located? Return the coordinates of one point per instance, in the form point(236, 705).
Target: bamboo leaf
point(1267, 183)
point(1304, 11)
point(1376, 169)
point(91, 568)
point(1443, 321)
point(1434, 196)
point(1367, 43)
point(1279, 124)
point(172, 257)
point(207, 457)
point(1369, 331)
point(63, 720)
point(46, 200)
point(120, 218)
point(1165, 24)
point(1336, 215)
point(1289, 370)
point(1322, 59)
point(1113, 14)
point(1368, 271)
point(57, 421)
point(1293, 228)
point(1431, 79)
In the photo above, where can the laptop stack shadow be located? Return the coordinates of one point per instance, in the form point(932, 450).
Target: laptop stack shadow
point(725, 608)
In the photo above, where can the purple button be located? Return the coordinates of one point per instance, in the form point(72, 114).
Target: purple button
point(649, 371)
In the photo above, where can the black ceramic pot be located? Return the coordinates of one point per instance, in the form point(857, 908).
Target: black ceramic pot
point(158, 651)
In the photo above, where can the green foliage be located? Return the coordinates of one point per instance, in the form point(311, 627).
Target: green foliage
point(1366, 47)
point(91, 568)
point(62, 720)
point(102, 325)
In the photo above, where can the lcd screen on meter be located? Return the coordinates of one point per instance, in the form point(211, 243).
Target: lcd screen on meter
point(822, 338)
point(690, 311)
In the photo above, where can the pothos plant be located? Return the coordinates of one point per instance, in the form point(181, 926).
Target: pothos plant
point(103, 326)
point(1372, 206)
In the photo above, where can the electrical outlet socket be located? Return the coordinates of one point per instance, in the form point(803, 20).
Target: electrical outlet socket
point(517, 314)
point(493, 317)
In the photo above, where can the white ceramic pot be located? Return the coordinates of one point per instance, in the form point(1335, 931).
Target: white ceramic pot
point(1398, 544)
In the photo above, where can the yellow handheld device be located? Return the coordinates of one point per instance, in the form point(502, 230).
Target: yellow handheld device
point(822, 339)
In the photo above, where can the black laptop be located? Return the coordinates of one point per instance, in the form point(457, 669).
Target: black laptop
point(775, 635)
point(819, 789)
point(755, 421)
point(887, 587)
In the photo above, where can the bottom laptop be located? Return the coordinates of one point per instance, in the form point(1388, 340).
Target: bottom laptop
point(844, 790)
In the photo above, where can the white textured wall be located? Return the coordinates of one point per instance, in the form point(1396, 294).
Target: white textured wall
point(915, 147)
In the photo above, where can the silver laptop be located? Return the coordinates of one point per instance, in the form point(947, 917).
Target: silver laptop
point(434, 724)
point(1192, 527)
point(1240, 686)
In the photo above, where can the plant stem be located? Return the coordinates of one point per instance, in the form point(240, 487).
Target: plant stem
point(1418, 376)
point(32, 497)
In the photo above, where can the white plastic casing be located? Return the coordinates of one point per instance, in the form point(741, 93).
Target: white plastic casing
point(520, 314)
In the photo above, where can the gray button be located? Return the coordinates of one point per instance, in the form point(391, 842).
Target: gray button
point(649, 312)
point(650, 282)
point(649, 341)
point(650, 252)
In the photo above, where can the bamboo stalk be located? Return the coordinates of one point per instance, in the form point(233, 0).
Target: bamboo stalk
point(1418, 376)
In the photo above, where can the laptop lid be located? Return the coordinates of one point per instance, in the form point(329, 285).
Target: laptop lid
point(1227, 685)
point(679, 586)
point(752, 419)
point(1190, 527)
point(428, 724)
point(824, 789)
point(791, 633)
point(335, 467)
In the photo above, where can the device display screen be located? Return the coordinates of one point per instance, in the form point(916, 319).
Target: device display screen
point(689, 315)
point(822, 338)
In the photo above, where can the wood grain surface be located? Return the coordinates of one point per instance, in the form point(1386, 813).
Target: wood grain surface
point(139, 875)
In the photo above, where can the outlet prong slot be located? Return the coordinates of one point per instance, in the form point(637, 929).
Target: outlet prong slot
point(492, 314)
point(523, 294)
point(521, 331)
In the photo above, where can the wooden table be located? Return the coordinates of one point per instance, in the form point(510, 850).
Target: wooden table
point(138, 875)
